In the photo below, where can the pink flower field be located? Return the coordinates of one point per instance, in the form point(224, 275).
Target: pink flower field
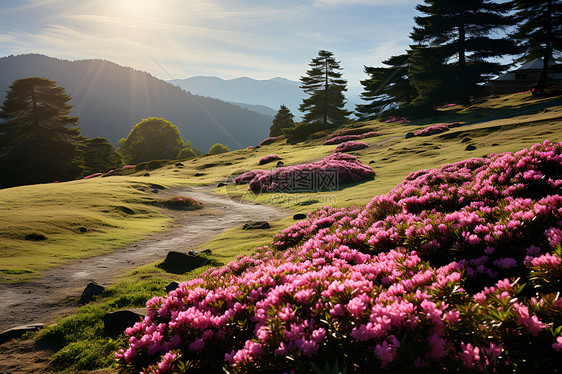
point(456, 269)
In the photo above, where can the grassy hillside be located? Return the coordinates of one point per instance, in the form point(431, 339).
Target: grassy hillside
point(89, 217)
point(103, 205)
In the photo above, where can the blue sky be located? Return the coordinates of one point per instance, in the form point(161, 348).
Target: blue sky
point(260, 39)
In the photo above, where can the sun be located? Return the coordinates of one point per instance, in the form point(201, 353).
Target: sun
point(137, 10)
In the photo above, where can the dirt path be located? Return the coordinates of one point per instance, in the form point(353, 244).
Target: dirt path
point(56, 292)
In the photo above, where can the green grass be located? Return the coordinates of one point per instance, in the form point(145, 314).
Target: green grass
point(76, 219)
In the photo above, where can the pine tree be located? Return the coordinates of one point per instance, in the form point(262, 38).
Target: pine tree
point(323, 82)
point(454, 45)
point(539, 31)
point(99, 156)
point(38, 140)
point(386, 87)
point(282, 120)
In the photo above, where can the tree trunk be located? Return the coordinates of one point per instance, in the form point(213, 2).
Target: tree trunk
point(326, 94)
point(465, 99)
point(541, 84)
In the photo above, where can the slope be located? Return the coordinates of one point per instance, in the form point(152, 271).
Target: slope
point(110, 99)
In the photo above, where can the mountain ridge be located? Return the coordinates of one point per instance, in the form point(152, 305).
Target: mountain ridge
point(110, 99)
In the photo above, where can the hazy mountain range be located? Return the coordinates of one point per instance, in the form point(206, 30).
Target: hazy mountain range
point(271, 93)
point(110, 99)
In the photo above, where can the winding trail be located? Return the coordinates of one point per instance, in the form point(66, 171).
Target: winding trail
point(57, 291)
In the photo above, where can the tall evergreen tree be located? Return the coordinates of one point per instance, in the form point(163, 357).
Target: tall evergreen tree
point(454, 45)
point(323, 82)
point(282, 120)
point(539, 31)
point(38, 140)
point(99, 156)
point(386, 87)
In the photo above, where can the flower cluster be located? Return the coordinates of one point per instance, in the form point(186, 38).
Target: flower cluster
point(350, 146)
point(393, 119)
point(269, 158)
point(432, 130)
point(456, 269)
point(347, 138)
point(92, 175)
point(269, 140)
point(339, 168)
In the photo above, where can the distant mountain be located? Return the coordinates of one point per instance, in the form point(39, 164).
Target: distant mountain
point(257, 108)
point(110, 99)
point(271, 92)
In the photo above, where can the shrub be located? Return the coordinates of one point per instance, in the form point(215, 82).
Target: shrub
point(432, 130)
point(270, 140)
point(347, 138)
point(456, 269)
point(218, 148)
point(181, 203)
point(338, 168)
point(344, 132)
point(350, 146)
point(268, 159)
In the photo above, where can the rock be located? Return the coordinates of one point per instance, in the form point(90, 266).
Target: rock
point(141, 189)
point(92, 290)
point(82, 229)
point(146, 174)
point(117, 322)
point(35, 237)
point(18, 331)
point(172, 286)
point(371, 162)
point(221, 184)
point(179, 165)
point(409, 135)
point(280, 164)
point(258, 225)
point(299, 216)
point(470, 147)
point(198, 174)
point(154, 191)
point(466, 140)
point(495, 145)
point(179, 263)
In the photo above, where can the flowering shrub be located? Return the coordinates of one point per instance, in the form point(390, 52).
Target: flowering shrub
point(436, 129)
point(350, 146)
point(268, 159)
point(397, 120)
point(346, 138)
point(181, 203)
point(269, 140)
point(343, 132)
point(92, 175)
point(347, 168)
point(432, 130)
point(457, 269)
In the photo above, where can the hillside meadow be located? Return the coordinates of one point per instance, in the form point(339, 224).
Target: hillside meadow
point(67, 221)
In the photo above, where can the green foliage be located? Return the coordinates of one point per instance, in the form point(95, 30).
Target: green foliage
point(151, 139)
point(454, 47)
point(283, 120)
point(38, 140)
point(218, 148)
point(386, 87)
point(539, 32)
point(300, 132)
point(186, 153)
point(324, 84)
point(99, 156)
